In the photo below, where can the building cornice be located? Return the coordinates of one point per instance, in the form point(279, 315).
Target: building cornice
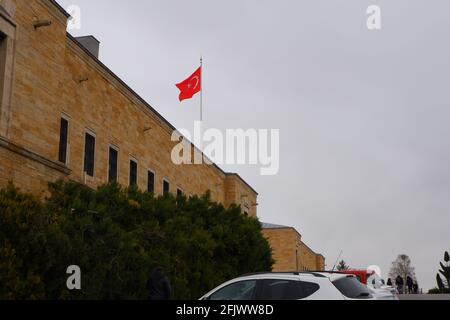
point(5, 15)
point(135, 98)
point(237, 176)
point(118, 83)
point(4, 143)
point(57, 11)
point(62, 15)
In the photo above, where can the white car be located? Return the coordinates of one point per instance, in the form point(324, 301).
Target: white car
point(383, 294)
point(292, 286)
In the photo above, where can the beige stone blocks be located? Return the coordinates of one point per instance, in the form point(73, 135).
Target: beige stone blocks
point(54, 77)
point(290, 253)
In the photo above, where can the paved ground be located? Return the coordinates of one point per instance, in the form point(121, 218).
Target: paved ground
point(425, 297)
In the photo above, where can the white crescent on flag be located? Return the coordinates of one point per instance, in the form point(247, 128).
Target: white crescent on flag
point(197, 81)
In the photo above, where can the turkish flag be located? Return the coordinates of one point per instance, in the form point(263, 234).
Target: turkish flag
point(191, 86)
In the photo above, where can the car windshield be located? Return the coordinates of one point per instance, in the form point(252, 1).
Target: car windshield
point(351, 288)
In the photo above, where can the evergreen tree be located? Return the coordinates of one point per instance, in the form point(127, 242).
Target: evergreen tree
point(117, 237)
point(444, 284)
point(342, 266)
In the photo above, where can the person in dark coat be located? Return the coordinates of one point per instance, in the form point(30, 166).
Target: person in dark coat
point(159, 285)
point(409, 284)
point(399, 284)
point(389, 282)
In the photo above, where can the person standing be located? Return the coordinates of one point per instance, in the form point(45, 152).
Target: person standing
point(409, 284)
point(159, 285)
point(389, 282)
point(399, 284)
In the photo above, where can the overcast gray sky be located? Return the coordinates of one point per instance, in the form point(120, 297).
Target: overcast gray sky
point(364, 115)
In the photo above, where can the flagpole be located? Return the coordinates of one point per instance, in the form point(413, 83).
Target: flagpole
point(201, 89)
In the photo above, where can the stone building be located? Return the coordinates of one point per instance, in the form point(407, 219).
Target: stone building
point(65, 115)
point(289, 251)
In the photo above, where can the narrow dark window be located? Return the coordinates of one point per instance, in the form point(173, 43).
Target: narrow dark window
point(133, 173)
point(3, 58)
point(89, 154)
point(112, 167)
point(166, 187)
point(179, 192)
point(63, 138)
point(151, 182)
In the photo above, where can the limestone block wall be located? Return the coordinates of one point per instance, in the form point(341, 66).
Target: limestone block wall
point(284, 244)
point(52, 76)
point(290, 252)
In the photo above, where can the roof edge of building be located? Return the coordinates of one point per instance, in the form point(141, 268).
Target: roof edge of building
point(146, 104)
point(317, 254)
point(231, 174)
point(88, 36)
point(270, 226)
point(60, 8)
point(127, 87)
point(266, 225)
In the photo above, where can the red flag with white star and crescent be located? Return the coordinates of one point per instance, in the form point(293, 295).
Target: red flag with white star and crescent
point(191, 86)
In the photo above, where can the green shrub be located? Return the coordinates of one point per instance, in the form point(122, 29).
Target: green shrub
point(117, 236)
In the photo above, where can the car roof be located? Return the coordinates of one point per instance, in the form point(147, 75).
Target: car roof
point(295, 275)
point(313, 276)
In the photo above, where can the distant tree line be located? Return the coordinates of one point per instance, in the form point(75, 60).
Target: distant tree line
point(117, 237)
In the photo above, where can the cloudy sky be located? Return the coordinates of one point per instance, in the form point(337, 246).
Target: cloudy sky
point(364, 115)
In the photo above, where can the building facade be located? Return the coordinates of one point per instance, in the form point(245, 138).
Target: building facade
point(65, 115)
point(289, 251)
